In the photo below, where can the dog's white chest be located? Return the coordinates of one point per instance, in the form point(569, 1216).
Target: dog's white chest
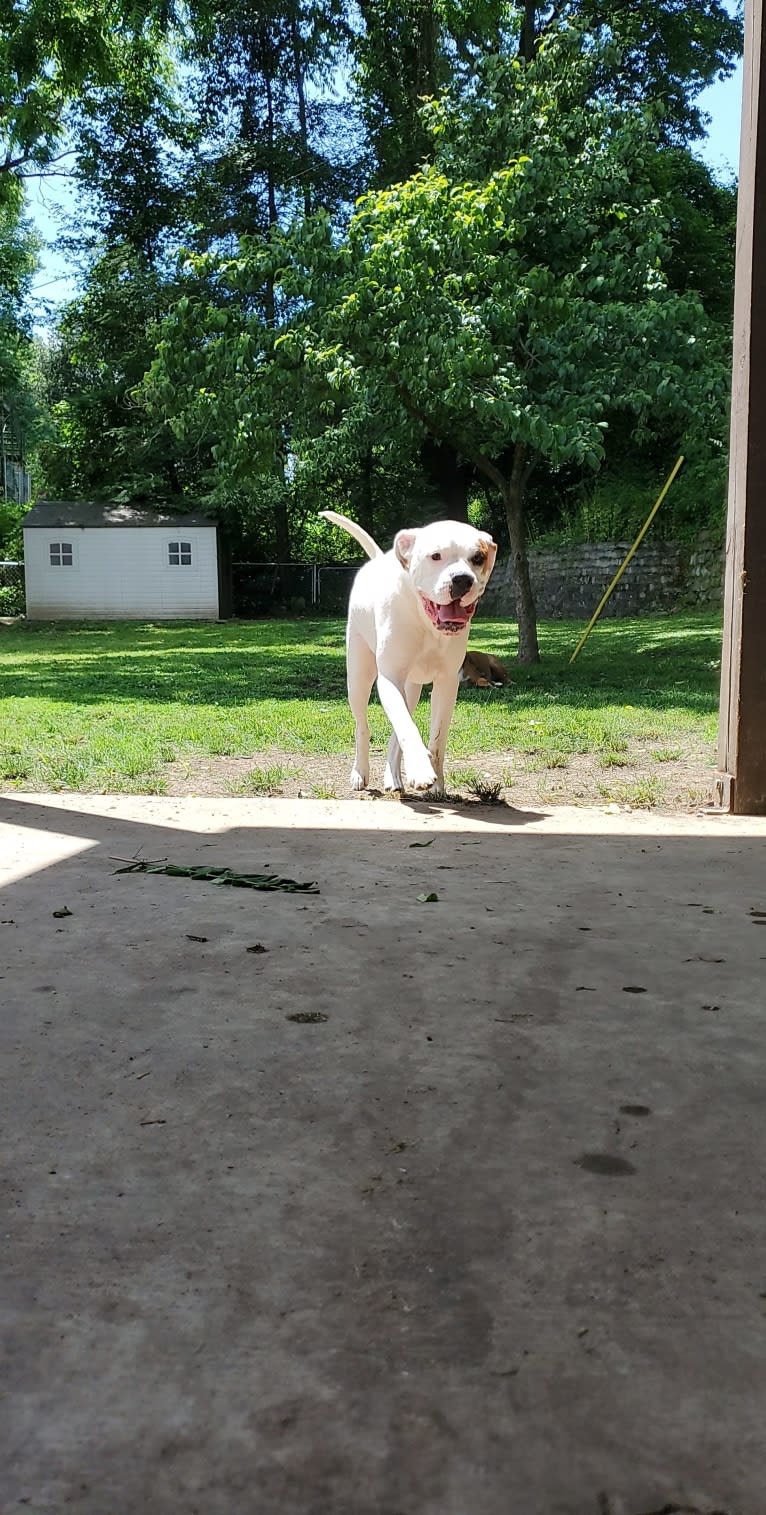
point(434, 658)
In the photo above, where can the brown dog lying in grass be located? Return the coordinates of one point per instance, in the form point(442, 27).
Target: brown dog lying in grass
point(482, 670)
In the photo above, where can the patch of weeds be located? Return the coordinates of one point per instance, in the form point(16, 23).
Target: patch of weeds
point(644, 794)
point(612, 741)
point(64, 772)
point(13, 764)
point(613, 760)
point(263, 780)
point(150, 783)
point(488, 791)
point(666, 754)
point(532, 764)
point(323, 792)
point(465, 777)
point(480, 785)
point(694, 797)
point(555, 760)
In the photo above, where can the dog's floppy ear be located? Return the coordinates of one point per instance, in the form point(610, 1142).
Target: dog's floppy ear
point(404, 541)
point(492, 552)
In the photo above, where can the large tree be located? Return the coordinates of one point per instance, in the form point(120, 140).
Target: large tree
point(52, 53)
point(101, 442)
point(500, 300)
point(19, 412)
point(663, 51)
point(261, 130)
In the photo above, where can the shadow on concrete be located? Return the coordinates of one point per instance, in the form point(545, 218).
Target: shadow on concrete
point(488, 1239)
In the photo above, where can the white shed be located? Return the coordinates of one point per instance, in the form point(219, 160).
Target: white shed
point(89, 561)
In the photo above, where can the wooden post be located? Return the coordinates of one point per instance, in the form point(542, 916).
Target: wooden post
point(740, 784)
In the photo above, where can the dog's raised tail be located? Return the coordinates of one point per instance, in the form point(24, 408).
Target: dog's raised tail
point(363, 537)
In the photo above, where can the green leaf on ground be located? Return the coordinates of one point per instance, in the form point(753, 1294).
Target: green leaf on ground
point(269, 881)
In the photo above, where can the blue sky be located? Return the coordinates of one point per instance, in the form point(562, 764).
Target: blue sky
point(55, 280)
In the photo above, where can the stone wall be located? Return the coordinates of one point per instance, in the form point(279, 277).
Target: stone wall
point(568, 582)
point(703, 574)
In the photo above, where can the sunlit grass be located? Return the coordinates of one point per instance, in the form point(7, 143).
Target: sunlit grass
point(108, 707)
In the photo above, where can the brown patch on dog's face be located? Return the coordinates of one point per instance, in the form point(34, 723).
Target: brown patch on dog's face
point(483, 555)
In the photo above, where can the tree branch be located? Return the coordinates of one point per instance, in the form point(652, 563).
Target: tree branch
point(9, 164)
point(530, 38)
point(479, 459)
point(527, 39)
point(56, 173)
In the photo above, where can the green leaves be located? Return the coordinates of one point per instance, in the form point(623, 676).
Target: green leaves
point(270, 882)
point(509, 293)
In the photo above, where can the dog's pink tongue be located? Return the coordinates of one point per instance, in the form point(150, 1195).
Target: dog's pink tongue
point(452, 612)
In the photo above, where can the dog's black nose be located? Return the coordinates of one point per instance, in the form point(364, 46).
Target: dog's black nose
point(461, 583)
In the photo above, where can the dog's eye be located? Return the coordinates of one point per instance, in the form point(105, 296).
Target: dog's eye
point(436, 557)
point(478, 559)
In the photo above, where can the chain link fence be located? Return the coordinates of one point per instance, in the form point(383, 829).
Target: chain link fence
point(263, 589)
point(259, 589)
point(12, 597)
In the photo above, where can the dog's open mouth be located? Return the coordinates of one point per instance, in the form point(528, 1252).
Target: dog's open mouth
point(450, 618)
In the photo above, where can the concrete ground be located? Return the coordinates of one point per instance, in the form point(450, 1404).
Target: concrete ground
point(489, 1238)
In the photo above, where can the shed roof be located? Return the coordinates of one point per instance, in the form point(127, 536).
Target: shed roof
point(73, 515)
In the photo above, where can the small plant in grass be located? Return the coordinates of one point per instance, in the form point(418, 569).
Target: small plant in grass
point(666, 754)
point(13, 764)
point(323, 792)
point(263, 780)
point(463, 778)
point(644, 794)
point(149, 783)
point(613, 760)
point(695, 797)
point(478, 784)
point(532, 764)
point(488, 791)
point(555, 760)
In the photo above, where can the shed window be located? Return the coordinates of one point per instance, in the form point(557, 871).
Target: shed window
point(61, 554)
point(179, 554)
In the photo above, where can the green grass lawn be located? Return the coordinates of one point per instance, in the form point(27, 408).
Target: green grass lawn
point(108, 707)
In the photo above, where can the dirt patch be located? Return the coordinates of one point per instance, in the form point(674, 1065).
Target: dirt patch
point(640, 782)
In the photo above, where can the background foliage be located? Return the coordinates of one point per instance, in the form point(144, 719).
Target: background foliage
point(439, 257)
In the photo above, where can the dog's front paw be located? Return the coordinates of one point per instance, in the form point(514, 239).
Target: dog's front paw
point(420, 772)
point(359, 780)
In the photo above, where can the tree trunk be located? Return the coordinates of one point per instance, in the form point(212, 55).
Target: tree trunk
point(527, 43)
point(282, 531)
point(513, 500)
point(272, 193)
point(449, 475)
point(366, 506)
point(300, 89)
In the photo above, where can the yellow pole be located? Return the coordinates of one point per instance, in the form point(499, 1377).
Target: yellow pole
point(634, 549)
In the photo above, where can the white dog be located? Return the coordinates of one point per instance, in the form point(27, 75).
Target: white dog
point(408, 620)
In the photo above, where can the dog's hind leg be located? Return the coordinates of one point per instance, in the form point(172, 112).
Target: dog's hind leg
point(392, 778)
point(360, 674)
